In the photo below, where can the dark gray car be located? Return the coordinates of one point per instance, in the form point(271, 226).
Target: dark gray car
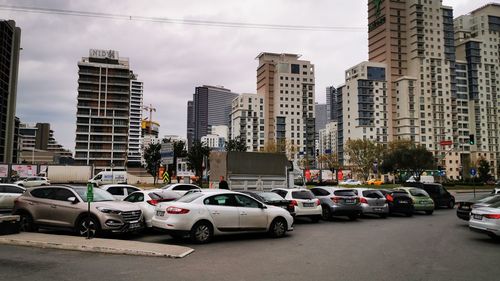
point(338, 202)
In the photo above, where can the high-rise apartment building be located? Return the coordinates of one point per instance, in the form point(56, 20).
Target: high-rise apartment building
point(134, 130)
point(321, 116)
point(190, 124)
point(327, 143)
point(331, 103)
point(247, 120)
point(103, 110)
point(38, 144)
point(10, 40)
point(287, 86)
point(211, 107)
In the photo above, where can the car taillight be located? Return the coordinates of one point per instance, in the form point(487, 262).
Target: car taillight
point(152, 202)
point(318, 202)
point(389, 198)
point(177, 211)
point(335, 199)
point(294, 203)
point(363, 200)
point(492, 216)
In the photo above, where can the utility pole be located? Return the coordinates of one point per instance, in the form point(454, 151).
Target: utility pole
point(150, 108)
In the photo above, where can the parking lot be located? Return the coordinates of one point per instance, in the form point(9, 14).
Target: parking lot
point(437, 247)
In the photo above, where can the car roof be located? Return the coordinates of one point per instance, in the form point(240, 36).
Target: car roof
point(291, 189)
point(118, 184)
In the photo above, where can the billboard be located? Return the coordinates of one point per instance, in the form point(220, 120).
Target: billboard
point(23, 171)
point(4, 170)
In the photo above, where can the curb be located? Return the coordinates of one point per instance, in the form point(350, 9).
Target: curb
point(5, 240)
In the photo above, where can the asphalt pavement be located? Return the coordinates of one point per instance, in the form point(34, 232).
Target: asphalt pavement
point(437, 247)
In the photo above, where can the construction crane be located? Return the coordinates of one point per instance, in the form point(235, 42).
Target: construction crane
point(150, 108)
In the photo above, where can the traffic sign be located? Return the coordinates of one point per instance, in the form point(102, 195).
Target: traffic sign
point(167, 153)
point(166, 177)
point(445, 142)
point(90, 192)
point(473, 171)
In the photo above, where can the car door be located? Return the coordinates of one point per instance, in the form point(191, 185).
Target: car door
point(64, 212)
point(252, 217)
point(224, 211)
point(40, 205)
point(8, 193)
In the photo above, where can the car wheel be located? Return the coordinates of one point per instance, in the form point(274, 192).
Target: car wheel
point(326, 213)
point(278, 228)
point(383, 216)
point(315, 219)
point(409, 214)
point(26, 223)
point(86, 225)
point(354, 217)
point(202, 232)
point(429, 212)
point(451, 205)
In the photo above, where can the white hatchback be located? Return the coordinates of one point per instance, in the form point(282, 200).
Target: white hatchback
point(148, 199)
point(33, 181)
point(304, 202)
point(201, 215)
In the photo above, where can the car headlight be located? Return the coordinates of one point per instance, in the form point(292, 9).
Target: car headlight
point(109, 211)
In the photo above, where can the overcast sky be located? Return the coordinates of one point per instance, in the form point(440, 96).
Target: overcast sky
point(172, 59)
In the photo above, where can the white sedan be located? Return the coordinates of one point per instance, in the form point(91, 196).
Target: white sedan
point(33, 181)
point(201, 215)
point(350, 182)
point(148, 199)
point(181, 188)
point(486, 220)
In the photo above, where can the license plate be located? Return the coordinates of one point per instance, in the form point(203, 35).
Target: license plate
point(465, 207)
point(477, 217)
point(403, 202)
point(284, 207)
point(349, 201)
point(160, 213)
point(377, 209)
point(308, 204)
point(134, 225)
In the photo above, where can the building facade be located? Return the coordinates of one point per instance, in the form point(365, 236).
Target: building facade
point(286, 84)
point(190, 124)
point(328, 139)
point(37, 144)
point(247, 121)
point(10, 40)
point(135, 125)
point(331, 103)
point(103, 110)
point(321, 118)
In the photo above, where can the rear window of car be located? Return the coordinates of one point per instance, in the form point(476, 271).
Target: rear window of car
point(418, 192)
point(344, 193)
point(270, 196)
point(372, 194)
point(302, 194)
point(190, 197)
point(492, 200)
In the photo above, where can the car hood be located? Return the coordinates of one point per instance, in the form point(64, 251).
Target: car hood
point(117, 205)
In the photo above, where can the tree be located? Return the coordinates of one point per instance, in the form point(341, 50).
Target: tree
point(236, 144)
point(362, 155)
point(329, 161)
point(483, 170)
point(195, 157)
point(152, 157)
point(414, 159)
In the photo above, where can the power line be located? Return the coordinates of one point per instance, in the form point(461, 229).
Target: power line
point(38, 10)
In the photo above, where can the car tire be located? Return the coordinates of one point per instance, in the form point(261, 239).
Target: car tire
point(315, 219)
point(326, 213)
point(201, 232)
point(353, 217)
point(409, 214)
point(85, 224)
point(278, 228)
point(429, 212)
point(451, 204)
point(26, 223)
point(383, 216)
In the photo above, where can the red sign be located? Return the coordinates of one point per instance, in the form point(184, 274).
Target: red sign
point(340, 175)
point(445, 142)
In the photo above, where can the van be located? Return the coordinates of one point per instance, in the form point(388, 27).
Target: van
point(109, 177)
point(426, 179)
point(439, 194)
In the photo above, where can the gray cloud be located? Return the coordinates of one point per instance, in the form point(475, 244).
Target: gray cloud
point(172, 59)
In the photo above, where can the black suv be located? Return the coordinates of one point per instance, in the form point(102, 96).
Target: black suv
point(439, 194)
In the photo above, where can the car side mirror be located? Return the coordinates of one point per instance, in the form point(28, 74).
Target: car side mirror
point(262, 206)
point(72, 199)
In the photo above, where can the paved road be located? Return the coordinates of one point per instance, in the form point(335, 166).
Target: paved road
point(437, 247)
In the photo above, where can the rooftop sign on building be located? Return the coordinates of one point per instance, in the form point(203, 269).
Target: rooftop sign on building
point(103, 54)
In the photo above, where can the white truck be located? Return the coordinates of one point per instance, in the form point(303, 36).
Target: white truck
point(109, 177)
point(68, 174)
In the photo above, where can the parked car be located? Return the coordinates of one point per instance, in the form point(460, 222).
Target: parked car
point(181, 188)
point(304, 202)
point(272, 198)
point(399, 202)
point(33, 181)
point(439, 194)
point(66, 207)
point(120, 191)
point(374, 182)
point(201, 215)
point(496, 190)
point(486, 220)
point(109, 177)
point(465, 207)
point(372, 202)
point(422, 202)
point(337, 202)
point(148, 199)
point(8, 193)
point(350, 182)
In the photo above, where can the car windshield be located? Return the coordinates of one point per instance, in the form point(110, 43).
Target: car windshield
point(270, 196)
point(99, 194)
point(302, 194)
point(188, 198)
point(418, 192)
